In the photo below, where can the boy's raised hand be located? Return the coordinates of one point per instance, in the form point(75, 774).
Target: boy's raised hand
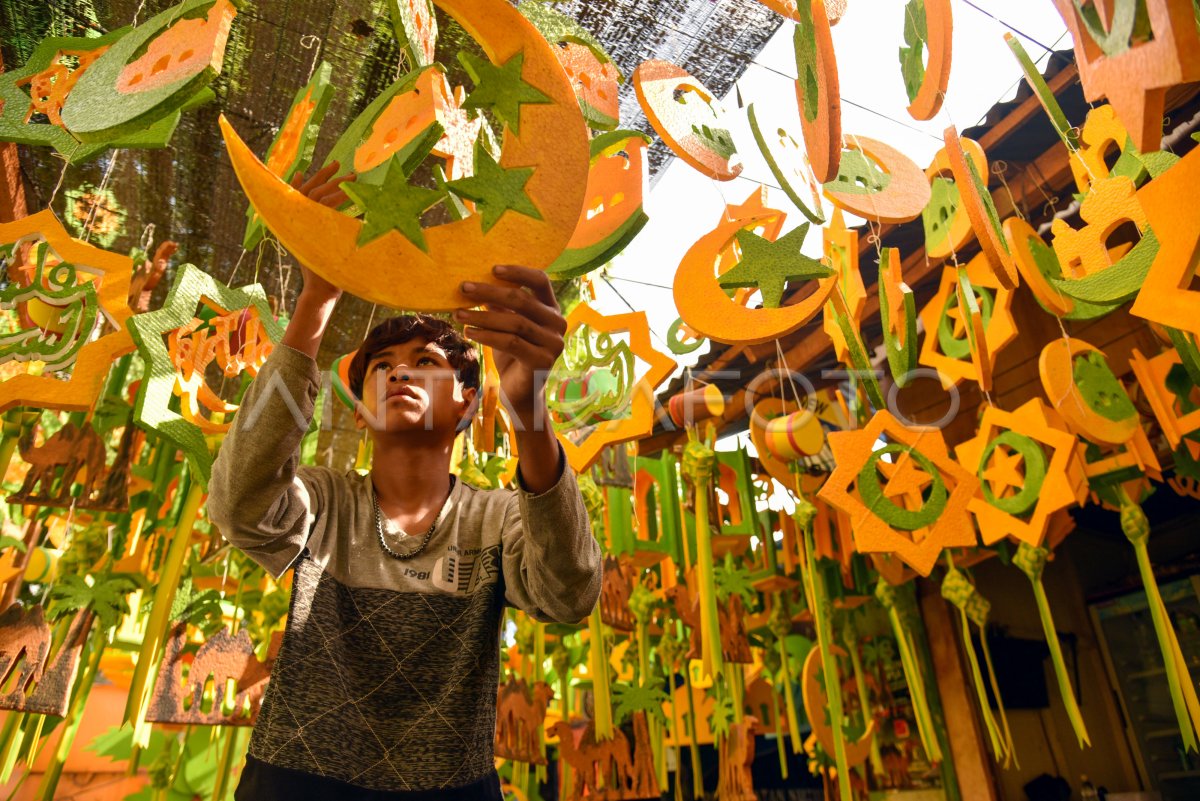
point(327, 190)
point(524, 327)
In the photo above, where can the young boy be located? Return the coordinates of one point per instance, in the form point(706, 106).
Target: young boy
point(385, 684)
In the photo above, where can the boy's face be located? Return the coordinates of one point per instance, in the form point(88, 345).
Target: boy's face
point(411, 386)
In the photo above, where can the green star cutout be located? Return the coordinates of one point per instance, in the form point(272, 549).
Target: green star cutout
point(770, 265)
point(394, 205)
point(501, 89)
point(152, 410)
point(495, 190)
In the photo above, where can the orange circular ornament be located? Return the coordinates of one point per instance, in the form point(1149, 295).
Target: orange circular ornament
point(951, 231)
point(393, 271)
point(1088, 395)
point(688, 118)
point(902, 198)
point(939, 30)
point(706, 308)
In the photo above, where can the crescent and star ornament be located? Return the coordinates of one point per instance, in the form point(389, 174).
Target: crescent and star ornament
point(547, 138)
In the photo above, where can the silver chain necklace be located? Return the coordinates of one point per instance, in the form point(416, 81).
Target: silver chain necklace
point(384, 545)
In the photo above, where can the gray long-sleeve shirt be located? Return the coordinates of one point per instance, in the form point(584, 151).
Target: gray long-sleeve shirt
point(387, 674)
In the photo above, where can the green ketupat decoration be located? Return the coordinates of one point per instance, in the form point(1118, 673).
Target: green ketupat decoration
point(913, 676)
point(1032, 561)
point(1179, 679)
point(974, 608)
point(699, 464)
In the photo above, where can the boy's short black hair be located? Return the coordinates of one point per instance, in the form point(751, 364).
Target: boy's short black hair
point(459, 351)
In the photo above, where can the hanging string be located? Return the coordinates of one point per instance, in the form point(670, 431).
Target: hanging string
point(137, 13)
point(61, 175)
point(91, 218)
point(310, 41)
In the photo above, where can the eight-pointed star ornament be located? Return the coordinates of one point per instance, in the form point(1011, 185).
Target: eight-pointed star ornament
point(194, 298)
point(1029, 468)
point(908, 498)
point(770, 265)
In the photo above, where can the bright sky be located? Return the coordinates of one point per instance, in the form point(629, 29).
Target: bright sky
point(685, 204)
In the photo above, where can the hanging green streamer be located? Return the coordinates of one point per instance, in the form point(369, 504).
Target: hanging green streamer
point(1179, 680)
point(850, 636)
point(814, 580)
point(699, 464)
point(886, 595)
point(974, 608)
point(1032, 561)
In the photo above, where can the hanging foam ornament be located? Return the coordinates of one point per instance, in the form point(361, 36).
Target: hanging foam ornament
point(878, 182)
point(1168, 387)
point(917, 507)
point(590, 69)
point(1029, 468)
point(706, 308)
point(1101, 133)
point(1042, 272)
point(1031, 560)
point(620, 407)
point(153, 71)
point(1093, 271)
point(818, 96)
point(680, 342)
point(928, 25)
point(83, 291)
point(696, 405)
point(1132, 53)
point(974, 608)
point(977, 201)
point(840, 245)
point(914, 673)
point(788, 165)
point(613, 213)
point(967, 323)
point(946, 223)
point(1080, 384)
point(690, 120)
point(523, 214)
point(1179, 680)
point(291, 151)
point(201, 322)
point(898, 313)
point(415, 28)
point(1167, 294)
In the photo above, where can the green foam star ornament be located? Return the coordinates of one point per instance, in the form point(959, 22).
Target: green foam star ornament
point(494, 189)
point(501, 89)
point(394, 205)
point(770, 265)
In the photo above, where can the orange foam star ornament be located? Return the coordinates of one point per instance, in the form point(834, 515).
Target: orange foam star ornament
point(111, 274)
point(1168, 295)
point(963, 334)
point(1029, 467)
point(583, 445)
point(1152, 377)
point(1134, 68)
point(908, 499)
point(841, 253)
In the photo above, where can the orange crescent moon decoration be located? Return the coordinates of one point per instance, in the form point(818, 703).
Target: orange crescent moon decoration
point(958, 231)
point(1057, 368)
point(980, 210)
point(939, 30)
point(394, 272)
point(821, 126)
point(816, 706)
point(1020, 236)
point(904, 197)
point(706, 308)
point(656, 83)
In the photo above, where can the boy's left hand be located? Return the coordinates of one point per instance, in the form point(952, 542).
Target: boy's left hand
point(524, 327)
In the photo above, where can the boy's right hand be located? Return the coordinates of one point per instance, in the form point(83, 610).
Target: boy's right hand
point(323, 188)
